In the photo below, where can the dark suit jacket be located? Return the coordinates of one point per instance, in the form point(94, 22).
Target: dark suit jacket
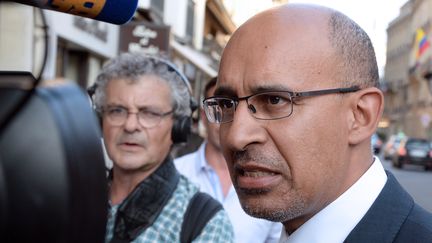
point(393, 217)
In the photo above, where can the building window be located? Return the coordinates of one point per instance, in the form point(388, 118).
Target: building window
point(158, 6)
point(72, 62)
point(190, 19)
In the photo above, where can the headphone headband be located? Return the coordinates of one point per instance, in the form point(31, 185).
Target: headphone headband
point(172, 68)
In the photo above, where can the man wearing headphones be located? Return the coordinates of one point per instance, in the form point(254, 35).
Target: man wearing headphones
point(145, 106)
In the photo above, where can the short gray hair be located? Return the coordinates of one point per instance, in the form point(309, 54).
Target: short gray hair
point(131, 66)
point(355, 50)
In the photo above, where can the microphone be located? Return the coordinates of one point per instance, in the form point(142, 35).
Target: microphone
point(111, 11)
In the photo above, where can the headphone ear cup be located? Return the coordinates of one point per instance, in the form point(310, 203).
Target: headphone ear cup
point(99, 117)
point(193, 104)
point(181, 130)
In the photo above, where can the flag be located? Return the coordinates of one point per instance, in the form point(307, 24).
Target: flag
point(421, 42)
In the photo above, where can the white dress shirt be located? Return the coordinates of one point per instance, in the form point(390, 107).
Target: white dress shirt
point(246, 228)
point(335, 222)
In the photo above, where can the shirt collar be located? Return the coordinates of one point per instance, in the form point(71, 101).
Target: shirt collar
point(202, 164)
point(338, 219)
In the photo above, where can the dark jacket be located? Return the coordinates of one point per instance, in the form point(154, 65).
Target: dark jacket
point(393, 217)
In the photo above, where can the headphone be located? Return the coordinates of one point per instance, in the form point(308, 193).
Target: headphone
point(182, 125)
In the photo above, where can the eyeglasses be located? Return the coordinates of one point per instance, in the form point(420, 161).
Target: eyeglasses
point(117, 116)
point(267, 105)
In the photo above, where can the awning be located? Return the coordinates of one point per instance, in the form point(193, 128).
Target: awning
point(197, 58)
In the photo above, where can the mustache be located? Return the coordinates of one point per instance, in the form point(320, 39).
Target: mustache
point(249, 155)
point(132, 138)
point(242, 156)
point(261, 157)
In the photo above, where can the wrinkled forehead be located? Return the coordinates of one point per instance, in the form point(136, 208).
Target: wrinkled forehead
point(290, 49)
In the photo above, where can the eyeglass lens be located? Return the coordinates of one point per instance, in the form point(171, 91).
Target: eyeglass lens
point(117, 116)
point(265, 106)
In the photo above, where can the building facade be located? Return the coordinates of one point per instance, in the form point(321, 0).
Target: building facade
point(191, 33)
point(408, 99)
point(77, 47)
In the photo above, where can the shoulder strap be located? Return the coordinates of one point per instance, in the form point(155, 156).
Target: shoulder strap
point(202, 207)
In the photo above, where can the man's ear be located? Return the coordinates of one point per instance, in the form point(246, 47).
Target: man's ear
point(367, 107)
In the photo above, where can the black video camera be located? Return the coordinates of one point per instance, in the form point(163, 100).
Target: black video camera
point(52, 172)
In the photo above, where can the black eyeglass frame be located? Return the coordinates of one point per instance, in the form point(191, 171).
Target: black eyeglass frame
point(293, 95)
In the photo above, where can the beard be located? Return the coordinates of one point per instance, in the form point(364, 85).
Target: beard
point(277, 213)
point(274, 204)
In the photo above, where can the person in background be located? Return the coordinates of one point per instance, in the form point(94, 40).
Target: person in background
point(207, 168)
point(139, 99)
point(297, 100)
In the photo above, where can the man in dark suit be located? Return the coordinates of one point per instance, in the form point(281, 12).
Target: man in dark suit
point(394, 217)
point(297, 101)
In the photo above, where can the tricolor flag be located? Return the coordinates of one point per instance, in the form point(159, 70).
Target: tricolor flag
point(421, 42)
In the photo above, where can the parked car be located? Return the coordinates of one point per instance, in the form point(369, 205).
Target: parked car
point(391, 146)
point(413, 151)
point(376, 143)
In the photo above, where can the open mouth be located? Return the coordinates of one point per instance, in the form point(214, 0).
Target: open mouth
point(256, 178)
point(256, 174)
point(131, 144)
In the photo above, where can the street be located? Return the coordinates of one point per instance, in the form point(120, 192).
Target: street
point(415, 180)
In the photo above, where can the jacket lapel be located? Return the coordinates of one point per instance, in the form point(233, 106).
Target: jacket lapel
point(384, 219)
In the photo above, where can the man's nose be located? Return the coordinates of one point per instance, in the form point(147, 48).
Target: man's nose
point(132, 124)
point(243, 130)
